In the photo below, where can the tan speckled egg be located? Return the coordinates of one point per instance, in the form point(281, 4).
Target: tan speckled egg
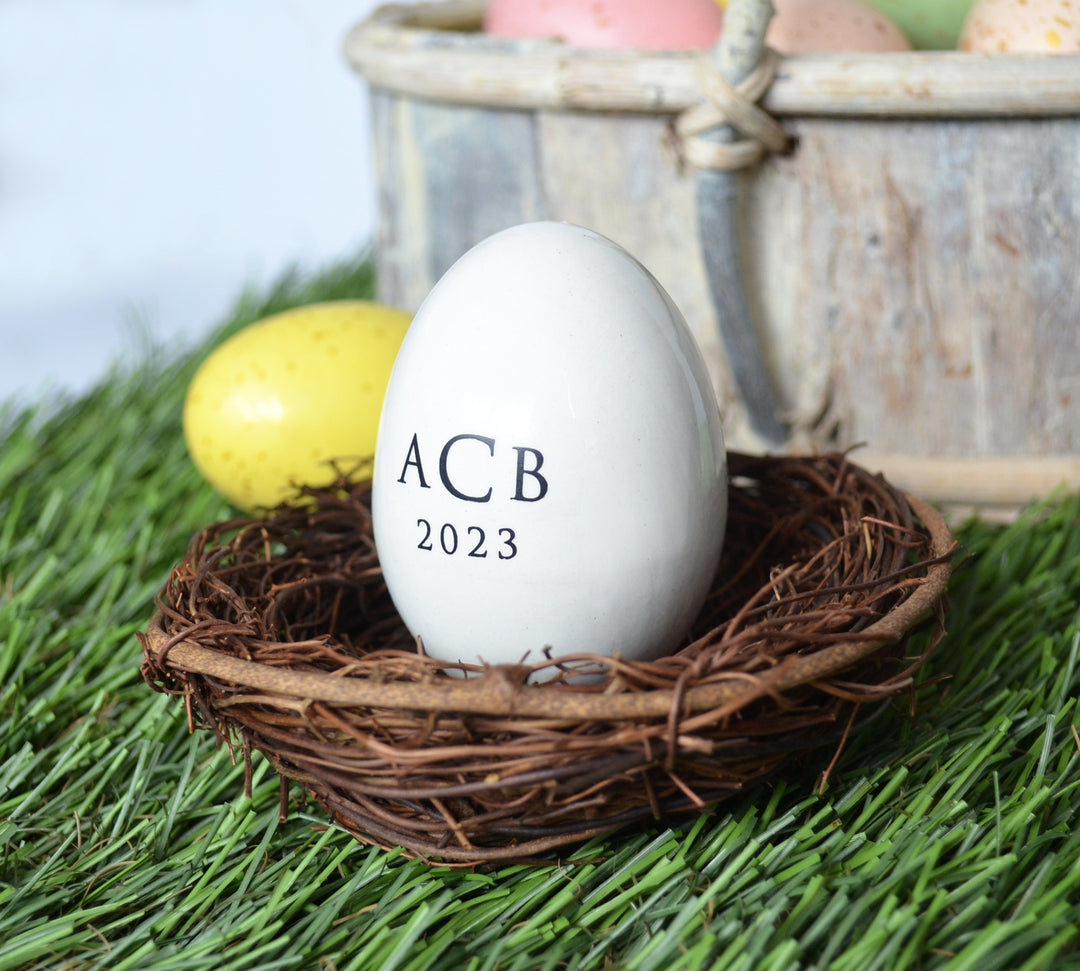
point(805, 26)
point(271, 407)
point(1048, 26)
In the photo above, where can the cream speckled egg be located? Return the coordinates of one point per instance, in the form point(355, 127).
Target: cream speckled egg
point(277, 402)
point(1048, 26)
point(550, 472)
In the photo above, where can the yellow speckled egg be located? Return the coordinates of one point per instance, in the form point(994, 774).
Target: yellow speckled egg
point(271, 407)
point(1047, 26)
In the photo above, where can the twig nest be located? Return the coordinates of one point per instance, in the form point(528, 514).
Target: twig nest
point(279, 636)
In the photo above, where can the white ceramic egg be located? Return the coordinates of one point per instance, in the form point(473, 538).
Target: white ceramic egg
point(550, 474)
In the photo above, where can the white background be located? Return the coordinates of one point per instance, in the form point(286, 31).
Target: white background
point(158, 156)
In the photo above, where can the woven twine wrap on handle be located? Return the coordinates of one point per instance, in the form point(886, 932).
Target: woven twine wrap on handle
point(279, 636)
point(733, 105)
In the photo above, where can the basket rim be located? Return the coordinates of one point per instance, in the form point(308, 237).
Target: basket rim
point(424, 50)
point(500, 690)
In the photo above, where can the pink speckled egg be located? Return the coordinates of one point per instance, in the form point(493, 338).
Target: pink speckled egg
point(1049, 26)
point(802, 26)
point(671, 24)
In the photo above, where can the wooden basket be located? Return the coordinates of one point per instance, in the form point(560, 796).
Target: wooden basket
point(910, 266)
point(279, 635)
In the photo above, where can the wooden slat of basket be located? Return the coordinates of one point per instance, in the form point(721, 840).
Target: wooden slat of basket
point(498, 691)
point(994, 480)
point(432, 51)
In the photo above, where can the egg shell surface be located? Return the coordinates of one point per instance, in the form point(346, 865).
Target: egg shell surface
point(270, 407)
point(806, 26)
point(673, 24)
point(1040, 26)
point(551, 470)
point(930, 25)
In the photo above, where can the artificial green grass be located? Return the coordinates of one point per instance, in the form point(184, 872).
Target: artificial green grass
point(944, 840)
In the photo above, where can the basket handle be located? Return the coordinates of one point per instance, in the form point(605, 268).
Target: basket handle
point(737, 53)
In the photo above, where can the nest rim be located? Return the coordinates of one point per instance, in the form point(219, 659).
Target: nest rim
point(501, 690)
